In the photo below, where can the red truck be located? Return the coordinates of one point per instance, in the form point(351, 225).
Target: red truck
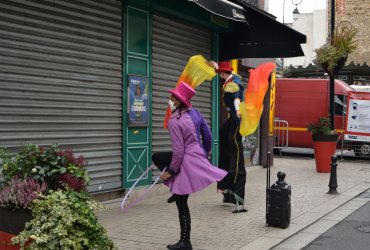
point(301, 101)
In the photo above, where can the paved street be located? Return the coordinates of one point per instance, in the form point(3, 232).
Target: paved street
point(153, 223)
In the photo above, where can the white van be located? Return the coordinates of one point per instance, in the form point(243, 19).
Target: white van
point(361, 88)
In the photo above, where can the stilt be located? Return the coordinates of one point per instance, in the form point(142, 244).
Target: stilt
point(239, 202)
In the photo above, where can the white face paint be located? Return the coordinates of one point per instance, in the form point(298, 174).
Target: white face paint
point(172, 105)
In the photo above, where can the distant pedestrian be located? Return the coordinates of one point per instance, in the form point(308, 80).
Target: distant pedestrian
point(188, 169)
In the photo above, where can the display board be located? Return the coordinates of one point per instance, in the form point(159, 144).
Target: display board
point(358, 117)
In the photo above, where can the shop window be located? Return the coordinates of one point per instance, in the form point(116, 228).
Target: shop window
point(340, 105)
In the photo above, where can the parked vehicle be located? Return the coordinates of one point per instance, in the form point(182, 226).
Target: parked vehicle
point(361, 88)
point(301, 101)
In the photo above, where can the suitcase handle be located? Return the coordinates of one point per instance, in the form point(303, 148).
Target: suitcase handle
point(267, 179)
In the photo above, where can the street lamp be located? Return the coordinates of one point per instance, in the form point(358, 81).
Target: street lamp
point(296, 11)
point(295, 17)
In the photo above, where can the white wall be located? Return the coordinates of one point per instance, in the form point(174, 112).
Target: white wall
point(314, 26)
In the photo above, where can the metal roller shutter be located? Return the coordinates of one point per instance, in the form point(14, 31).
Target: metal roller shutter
point(61, 80)
point(173, 44)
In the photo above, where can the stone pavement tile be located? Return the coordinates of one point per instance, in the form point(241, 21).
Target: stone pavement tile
point(261, 243)
point(320, 226)
point(354, 204)
point(339, 214)
point(333, 202)
point(365, 194)
point(297, 241)
point(307, 218)
point(361, 199)
point(358, 189)
point(284, 233)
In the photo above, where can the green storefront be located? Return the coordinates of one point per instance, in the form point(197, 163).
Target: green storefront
point(160, 37)
point(93, 75)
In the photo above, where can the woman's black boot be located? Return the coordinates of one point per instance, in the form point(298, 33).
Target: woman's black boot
point(181, 245)
point(185, 224)
point(171, 199)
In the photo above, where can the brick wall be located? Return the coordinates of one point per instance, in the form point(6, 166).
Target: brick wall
point(358, 13)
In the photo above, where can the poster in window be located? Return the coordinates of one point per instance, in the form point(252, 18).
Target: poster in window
point(138, 103)
point(358, 117)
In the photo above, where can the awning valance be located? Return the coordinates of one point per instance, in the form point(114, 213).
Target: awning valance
point(260, 36)
point(223, 8)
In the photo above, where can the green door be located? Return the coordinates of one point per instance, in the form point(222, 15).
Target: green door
point(136, 98)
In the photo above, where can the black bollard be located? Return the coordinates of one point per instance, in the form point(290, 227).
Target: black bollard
point(333, 176)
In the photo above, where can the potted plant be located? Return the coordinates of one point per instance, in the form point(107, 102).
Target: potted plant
point(333, 55)
point(64, 219)
point(46, 187)
point(16, 197)
point(324, 143)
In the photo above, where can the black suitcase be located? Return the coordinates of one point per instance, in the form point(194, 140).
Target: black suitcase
point(278, 207)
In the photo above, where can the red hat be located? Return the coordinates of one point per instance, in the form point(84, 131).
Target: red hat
point(224, 67)
point(184, 93)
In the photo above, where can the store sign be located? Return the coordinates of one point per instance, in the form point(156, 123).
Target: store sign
point(358, 117)
point(138, 101)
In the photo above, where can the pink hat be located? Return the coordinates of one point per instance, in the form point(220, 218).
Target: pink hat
point(224, 67)
point(184, 93)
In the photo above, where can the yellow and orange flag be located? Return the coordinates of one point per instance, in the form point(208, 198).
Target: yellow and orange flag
point(252, 107)
point(196, 71)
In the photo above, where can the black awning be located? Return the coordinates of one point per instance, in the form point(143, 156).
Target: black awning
point(256, 33)
point(262, 37)
point(223, 8)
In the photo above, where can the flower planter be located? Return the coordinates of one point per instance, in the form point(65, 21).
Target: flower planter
point(337, 68)
point(324, 148)
point(12, 222)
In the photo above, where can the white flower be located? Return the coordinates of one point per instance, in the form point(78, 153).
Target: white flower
point(34, 170)
point(34, 237)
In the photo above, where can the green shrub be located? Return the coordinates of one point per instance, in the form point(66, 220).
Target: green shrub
point(57, 168)
point(64, 220)
point(322, 127)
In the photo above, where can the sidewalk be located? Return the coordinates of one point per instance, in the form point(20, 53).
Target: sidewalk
point(153, 223)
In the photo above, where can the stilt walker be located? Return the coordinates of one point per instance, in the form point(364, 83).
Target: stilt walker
point(231, 148)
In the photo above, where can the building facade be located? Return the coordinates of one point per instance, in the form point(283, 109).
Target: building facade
point(309, 24)
point(358, 14)
point(93, 76)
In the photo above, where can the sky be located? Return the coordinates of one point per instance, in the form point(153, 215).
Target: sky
point(306, 6)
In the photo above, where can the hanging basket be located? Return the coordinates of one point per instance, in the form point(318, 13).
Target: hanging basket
point(336, 68)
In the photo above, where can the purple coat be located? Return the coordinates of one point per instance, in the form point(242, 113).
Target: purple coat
point(194, 171)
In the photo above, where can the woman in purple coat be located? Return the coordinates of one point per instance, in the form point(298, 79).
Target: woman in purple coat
point(188, 169)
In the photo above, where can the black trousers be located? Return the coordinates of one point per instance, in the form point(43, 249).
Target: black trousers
point(184, 216)
point(232, 160)
point(162, 159)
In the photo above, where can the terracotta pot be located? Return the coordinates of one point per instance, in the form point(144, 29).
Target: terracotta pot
point(324, 147)
point(12, 222)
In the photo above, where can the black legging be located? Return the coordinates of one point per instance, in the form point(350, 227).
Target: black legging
point(184, 216)
point(162, 159)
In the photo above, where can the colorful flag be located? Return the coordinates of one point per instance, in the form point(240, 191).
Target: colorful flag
point(252, 107)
